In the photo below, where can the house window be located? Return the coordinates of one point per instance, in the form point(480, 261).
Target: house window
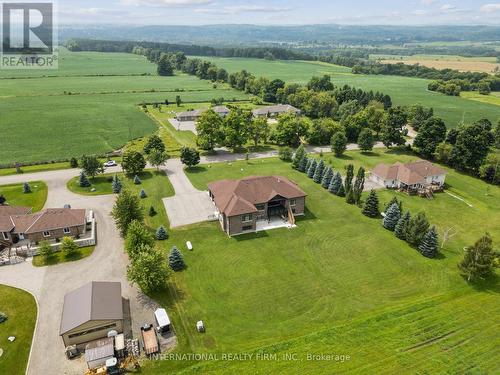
point(5, 236)
point(260, 207)
point(246, 218)
point(247, 228)
point(293, 202)
point(67, 231)
point(46, 233)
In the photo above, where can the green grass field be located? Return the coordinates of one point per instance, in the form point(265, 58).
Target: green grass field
point(15, 196)
point(40, 122)
point(403, 90)
point(21, 310)
point(338, 283)
point(493, 98)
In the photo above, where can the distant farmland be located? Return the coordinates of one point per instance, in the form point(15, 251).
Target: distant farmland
point(89, 105)
point(464, 64)
point(403, 90)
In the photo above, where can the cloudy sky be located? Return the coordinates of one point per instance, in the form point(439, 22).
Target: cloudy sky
point(283, 12)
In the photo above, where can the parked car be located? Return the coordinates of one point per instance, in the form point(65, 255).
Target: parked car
point(110, 163)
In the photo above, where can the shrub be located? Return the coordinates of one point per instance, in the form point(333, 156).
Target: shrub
point(152, 211)
point(137, 180)
point(3, 317)
point(26, 188)
point(161, 233)
point(285, 154)
point(143, 194)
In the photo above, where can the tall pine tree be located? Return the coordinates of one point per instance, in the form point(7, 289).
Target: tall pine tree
point(335, 184)
point(116, 185)
point(359, 185)
point(429, 245)
point(327, 178)
point(303, 164)
point(348, 178)
point(370, 207)
point(402, 226)
point(83, 181)
point(417, 228)
point(297, 157)
point(391, 217)
point(318, 174)
point(312, 168)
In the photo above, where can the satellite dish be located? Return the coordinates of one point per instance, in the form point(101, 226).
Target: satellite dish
point(112, 333)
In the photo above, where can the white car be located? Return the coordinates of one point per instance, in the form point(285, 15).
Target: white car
point(110, 163)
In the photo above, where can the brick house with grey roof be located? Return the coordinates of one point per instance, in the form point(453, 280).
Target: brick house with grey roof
point(243, 203)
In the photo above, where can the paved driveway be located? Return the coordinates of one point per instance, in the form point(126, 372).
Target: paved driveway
point(183, 125)
point(189, 205)
point(50, 284)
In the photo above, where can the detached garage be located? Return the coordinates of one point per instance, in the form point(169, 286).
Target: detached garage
point(91, 311)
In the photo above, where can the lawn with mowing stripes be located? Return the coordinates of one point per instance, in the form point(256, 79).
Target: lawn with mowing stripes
point(338, 283)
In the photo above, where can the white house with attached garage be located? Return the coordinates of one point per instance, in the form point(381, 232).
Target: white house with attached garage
point(414, 175)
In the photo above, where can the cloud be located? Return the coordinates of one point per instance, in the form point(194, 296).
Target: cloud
point(237, 9)
point(490, 8)
point(427, 2)
point(448, 7)
point(166, 3)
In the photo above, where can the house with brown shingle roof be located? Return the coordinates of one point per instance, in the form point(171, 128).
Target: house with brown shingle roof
point(413, 176)
point(275, 110)
point(243, 203)
point(20, 224)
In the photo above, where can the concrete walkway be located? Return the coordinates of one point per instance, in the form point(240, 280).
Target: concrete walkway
point(189, 205)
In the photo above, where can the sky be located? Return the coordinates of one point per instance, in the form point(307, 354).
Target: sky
point(279, 12)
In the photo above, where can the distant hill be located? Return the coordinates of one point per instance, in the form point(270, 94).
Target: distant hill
point(286, 35)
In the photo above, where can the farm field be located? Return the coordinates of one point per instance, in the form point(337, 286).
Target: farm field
point(101, 114)
point(21, 311)
point(472, 64)
point(338, 283)
point(403, 90)
point(493, 98)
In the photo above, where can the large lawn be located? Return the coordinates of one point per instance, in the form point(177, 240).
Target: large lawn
point(403, 90)
point(87, 106)
point(338, 283)
point(21, 310)
point(16, 197)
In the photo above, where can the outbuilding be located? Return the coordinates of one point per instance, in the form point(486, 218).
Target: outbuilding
point(90, 312)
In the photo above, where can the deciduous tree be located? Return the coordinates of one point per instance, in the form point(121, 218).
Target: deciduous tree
point(126, 209)
point(137, 235)
point(478, 260)
point(148, 270)
point(339, 143)
point(133, 162)
point(190, 157)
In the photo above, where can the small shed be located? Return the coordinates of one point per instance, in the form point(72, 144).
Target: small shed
point(98, 352)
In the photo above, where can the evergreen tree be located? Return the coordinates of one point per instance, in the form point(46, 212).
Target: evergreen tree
point(73, 163)
point(297, 158)
point(152, 211)
point(478, 260)
point(161, 233)
point(303, 164)
point(83, 181)
point(417, 228)
point(318, 173)
point(391, 202)
point(370, 207)
point(402, 226)
point(327, 177)
point(350, 198)
point(348, 178)
point(335, 184)
point(359, 185)
point(391, 217)
point(26, 188)
point(429, 245)
point(137, 180)
point(116, 185)
point(308, 165)
point(175, 260)
point(143, 194)
point(341, 191)
point(312, 169)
